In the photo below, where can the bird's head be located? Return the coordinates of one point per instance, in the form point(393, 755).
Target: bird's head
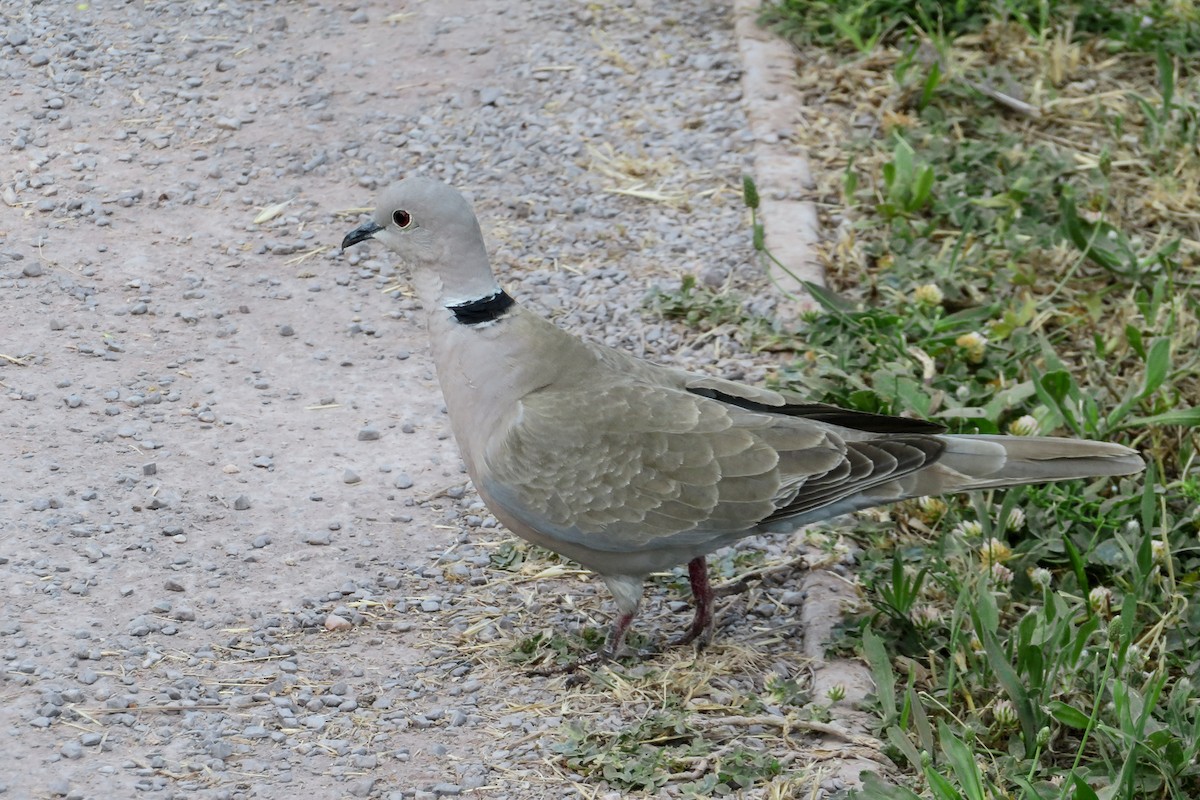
point(432, 228)
point(423, 221)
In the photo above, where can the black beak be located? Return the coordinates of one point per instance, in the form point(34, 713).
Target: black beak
point(361, 234)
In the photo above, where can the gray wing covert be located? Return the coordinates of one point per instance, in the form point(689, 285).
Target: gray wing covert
point(633, 466)
point(628, 465)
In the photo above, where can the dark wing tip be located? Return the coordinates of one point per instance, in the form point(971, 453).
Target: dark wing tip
point(832, 415)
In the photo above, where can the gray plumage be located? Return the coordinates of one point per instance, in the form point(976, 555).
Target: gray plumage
point(629, 467)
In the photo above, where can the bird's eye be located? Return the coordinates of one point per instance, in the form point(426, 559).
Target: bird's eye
point(402, 218)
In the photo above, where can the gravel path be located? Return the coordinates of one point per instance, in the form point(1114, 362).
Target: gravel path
point(237, 555)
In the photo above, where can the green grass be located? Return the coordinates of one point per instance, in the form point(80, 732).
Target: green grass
point(645, 756)
point(865, 24)
point(1020, 273)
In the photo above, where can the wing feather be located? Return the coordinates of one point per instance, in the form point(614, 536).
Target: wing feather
point(634, 465)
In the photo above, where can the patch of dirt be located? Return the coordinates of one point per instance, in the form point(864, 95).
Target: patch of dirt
point(184, 404)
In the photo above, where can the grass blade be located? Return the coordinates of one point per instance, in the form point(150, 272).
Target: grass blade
point(880, 665)
point(1184, 417)
point(963, 763)
point(1012, 685)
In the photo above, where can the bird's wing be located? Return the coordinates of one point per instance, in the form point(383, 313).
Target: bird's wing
point(630, 465)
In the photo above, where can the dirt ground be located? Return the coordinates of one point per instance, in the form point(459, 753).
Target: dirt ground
point(229, 489)
point(165, 464)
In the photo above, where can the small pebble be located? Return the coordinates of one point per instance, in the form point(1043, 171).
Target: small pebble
point(335, 623)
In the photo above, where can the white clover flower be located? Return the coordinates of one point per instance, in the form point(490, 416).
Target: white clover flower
point(1023, 426)
point(1005, 713)
point(928, 295)
point(969, 529)
point(994, 551)
point(1100, 600)
point(1015, 519)
point(1001, 574)
point(1040, 576)
point(932, 506)
point(974, 343)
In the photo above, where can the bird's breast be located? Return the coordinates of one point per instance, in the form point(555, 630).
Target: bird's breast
point(482, 375)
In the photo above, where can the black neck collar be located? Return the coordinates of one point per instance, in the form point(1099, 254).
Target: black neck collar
point(485, 309)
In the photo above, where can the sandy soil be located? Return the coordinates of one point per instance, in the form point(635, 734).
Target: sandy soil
point(182, 408)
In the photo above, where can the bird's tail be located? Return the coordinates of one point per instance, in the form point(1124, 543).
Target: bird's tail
point(994, 462)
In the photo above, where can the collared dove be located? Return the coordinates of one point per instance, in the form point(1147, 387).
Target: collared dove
point(630, 467)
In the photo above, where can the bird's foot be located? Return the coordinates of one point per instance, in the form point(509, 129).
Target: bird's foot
point(701, 638)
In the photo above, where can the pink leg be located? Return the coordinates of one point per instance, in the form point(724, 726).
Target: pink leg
point(616, 635)
point(702, 596)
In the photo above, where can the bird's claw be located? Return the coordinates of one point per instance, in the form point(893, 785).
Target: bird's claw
point(701, 637)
